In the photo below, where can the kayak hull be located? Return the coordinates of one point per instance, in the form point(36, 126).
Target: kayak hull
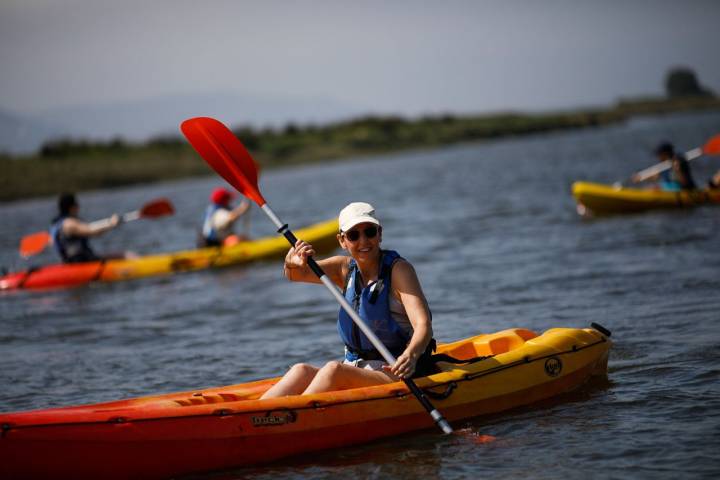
point(220, 428)
point(321, 235)
point(601, 199)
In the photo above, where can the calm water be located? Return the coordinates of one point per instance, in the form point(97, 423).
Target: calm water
point(492, 231)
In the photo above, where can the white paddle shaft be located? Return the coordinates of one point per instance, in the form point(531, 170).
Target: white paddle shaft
point(664, 165)
point(105, 222)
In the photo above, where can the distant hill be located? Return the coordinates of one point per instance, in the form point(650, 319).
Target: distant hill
point(140, 120)
point(23, 134)
point(143, 119)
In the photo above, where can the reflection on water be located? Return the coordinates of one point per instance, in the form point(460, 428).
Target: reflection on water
point(492, 231)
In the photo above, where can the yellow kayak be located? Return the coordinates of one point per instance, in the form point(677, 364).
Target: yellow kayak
point(320, 235)
point(599, 199)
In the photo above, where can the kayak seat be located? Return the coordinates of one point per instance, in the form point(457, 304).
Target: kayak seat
point(233, 393)
point(204, 399)
point(486, 345)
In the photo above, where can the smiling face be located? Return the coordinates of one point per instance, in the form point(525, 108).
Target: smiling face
point(362, 241)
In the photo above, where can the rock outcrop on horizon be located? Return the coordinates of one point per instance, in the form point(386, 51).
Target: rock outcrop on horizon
point(682, 82)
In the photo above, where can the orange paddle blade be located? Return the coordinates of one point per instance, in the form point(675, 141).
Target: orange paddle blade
point(222, 150)
point(712, 147)
point(157, 208)
point(34, 244)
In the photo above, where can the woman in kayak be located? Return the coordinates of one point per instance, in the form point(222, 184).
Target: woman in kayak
point(70, 235)
point(219, 219)
point(386, 293)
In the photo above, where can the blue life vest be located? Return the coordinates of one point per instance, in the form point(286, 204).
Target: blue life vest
point(209, 232)
point(372, 304)
point(671, 186)
point(71, 249)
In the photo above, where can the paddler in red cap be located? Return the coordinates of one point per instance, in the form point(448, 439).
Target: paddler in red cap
point(217, 229)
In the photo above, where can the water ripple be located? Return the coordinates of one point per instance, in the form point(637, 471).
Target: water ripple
point(492, 232)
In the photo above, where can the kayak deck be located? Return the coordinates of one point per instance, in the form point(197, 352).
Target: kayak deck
point(601, 199)
point(321, 235)
point(223, 427)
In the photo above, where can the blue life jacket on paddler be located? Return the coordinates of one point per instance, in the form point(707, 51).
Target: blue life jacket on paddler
point(209, 233)
point(372, 304)
point(73, 249)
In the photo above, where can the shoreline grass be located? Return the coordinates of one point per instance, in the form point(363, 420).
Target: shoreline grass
point(76, 165)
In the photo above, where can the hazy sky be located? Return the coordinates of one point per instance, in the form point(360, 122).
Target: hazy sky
point(390, 56)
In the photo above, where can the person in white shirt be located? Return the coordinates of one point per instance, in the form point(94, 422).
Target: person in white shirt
point(220, 218)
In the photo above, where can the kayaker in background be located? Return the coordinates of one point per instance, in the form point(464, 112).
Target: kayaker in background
point(70, 234)
point(219, 219)
point(386, 293)
point(677, 177)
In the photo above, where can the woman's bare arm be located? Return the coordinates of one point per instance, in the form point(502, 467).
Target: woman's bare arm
point(406, 286)
point(73, 227)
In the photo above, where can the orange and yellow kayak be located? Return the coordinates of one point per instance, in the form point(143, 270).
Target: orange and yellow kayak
point(601, 199)
point(321, 235)
point(224, 427)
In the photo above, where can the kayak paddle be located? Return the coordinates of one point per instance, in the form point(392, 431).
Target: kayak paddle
point(153, 209)
point(711, 147)
point(35, 243)
point(228, 157)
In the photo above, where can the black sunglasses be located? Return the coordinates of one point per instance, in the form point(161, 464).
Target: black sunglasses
point(354, 235)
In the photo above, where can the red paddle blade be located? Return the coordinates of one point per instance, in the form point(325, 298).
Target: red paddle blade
point(34, 244)
point(712, 147)
point(157, 208)
point(222, 150)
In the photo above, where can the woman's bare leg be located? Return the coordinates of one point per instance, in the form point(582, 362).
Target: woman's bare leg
point(338, 376)
point(294, 382)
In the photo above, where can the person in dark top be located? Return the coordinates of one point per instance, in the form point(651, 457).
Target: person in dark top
point(678, 176)
point(70, 235)
point(681, 173)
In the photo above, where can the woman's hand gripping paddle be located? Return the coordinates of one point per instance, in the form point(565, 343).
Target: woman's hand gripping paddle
point(229, 158)
point(35, 243)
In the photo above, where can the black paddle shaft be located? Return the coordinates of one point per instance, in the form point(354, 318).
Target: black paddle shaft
point(317, 270)
point(420, 395)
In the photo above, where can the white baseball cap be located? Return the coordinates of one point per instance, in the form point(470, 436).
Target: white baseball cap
point(355, 213)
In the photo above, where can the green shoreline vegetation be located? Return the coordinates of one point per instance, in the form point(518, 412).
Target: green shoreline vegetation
point(77, 165)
